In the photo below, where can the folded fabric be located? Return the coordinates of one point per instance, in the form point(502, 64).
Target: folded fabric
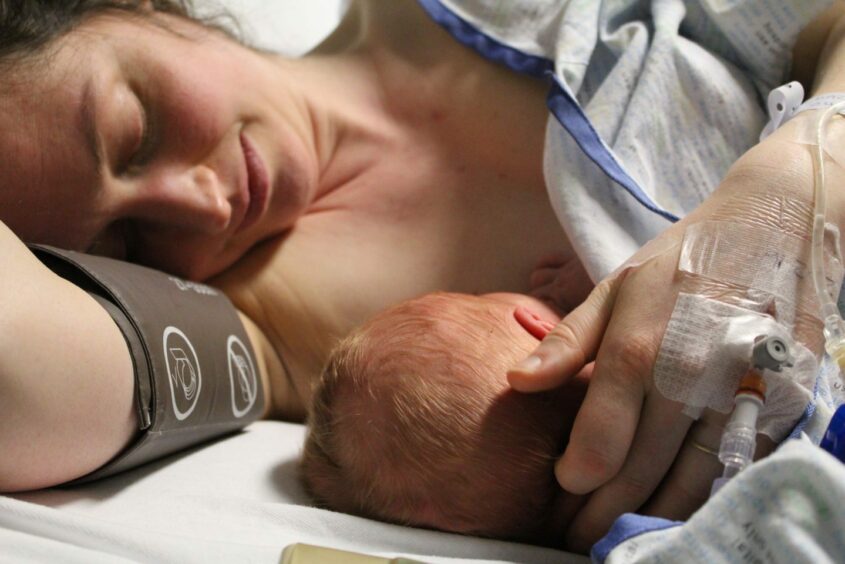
point(788, 507)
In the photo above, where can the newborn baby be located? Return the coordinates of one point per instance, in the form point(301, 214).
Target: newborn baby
point(413, 421)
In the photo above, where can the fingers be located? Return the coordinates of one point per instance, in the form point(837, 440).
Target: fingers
point(607, 420)
point(688, 484)
point(611, 413)
point(658, 438)
point(569, 346)
point(600, 437)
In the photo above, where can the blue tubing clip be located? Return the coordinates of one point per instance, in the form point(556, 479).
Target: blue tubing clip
point(834, 438)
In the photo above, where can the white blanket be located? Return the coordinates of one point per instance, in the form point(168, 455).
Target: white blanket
point(237, 500)
point(652, 100)
point(786, 508)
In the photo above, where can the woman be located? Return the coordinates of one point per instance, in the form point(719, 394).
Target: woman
point(172, 145)
point(320, 191)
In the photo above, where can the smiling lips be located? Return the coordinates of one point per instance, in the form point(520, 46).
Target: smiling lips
point(258, 184)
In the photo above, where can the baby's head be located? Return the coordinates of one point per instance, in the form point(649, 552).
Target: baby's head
point(413, 420)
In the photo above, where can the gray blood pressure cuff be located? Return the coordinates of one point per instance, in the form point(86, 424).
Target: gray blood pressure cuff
point(195, 372)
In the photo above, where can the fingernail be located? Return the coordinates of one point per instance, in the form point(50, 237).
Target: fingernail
point(530, 364)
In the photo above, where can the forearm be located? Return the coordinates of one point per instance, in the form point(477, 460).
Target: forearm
point(783, 163)
point(66, 380)
point(811, 43)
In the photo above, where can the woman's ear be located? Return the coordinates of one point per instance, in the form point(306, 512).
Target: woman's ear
point(533, 323)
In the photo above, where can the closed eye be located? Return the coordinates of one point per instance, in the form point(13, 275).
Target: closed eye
point(143, 148)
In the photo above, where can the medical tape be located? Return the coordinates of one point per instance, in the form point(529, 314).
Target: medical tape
point(763, 275)
point(724, 251)
point(705, 352)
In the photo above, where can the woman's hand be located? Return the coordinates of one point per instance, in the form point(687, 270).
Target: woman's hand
point(627, 435)
point(628, 438)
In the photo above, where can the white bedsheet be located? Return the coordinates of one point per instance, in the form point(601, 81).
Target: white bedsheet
point(236, 500)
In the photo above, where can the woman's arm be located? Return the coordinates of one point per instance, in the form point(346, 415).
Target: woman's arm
point(66, 378)
point(67, 384)
point(806, 55)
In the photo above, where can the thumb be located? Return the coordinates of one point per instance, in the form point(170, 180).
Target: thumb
point(570, 345)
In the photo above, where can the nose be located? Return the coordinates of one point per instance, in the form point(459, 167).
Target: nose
point(189, 198)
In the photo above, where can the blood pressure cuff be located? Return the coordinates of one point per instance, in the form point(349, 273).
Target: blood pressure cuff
point(195, 373)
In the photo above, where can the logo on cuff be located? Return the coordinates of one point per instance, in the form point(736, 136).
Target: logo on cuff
point(183, 370)
point(243, 381)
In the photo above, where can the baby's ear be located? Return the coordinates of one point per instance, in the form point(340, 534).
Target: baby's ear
point(533, 323)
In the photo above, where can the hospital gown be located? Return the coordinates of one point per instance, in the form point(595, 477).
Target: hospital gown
point(650, 103)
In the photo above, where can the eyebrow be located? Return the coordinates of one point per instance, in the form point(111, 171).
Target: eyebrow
point(88, 115)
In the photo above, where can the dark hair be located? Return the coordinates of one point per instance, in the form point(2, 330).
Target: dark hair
point(27, 26)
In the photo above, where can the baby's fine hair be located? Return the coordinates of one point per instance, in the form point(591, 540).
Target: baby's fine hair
point(411, 427)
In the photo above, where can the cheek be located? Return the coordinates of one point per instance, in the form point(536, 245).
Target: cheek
point(196, 118)
point(293, 180)
point(56, 221)
point(193, 99)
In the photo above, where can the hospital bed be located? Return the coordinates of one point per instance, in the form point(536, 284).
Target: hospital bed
point(238, 499)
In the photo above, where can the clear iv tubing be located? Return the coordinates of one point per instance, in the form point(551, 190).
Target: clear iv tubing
point(834, 327)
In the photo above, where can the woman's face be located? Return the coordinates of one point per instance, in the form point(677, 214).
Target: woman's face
point(176, 147)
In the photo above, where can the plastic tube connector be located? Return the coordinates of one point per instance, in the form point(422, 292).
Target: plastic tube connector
point(834, 339)
point(739, 439)
point(740, 436)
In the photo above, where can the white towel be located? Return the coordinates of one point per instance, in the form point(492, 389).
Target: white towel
point(290, 27)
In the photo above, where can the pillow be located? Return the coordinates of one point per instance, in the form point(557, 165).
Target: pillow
point(289, 27)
